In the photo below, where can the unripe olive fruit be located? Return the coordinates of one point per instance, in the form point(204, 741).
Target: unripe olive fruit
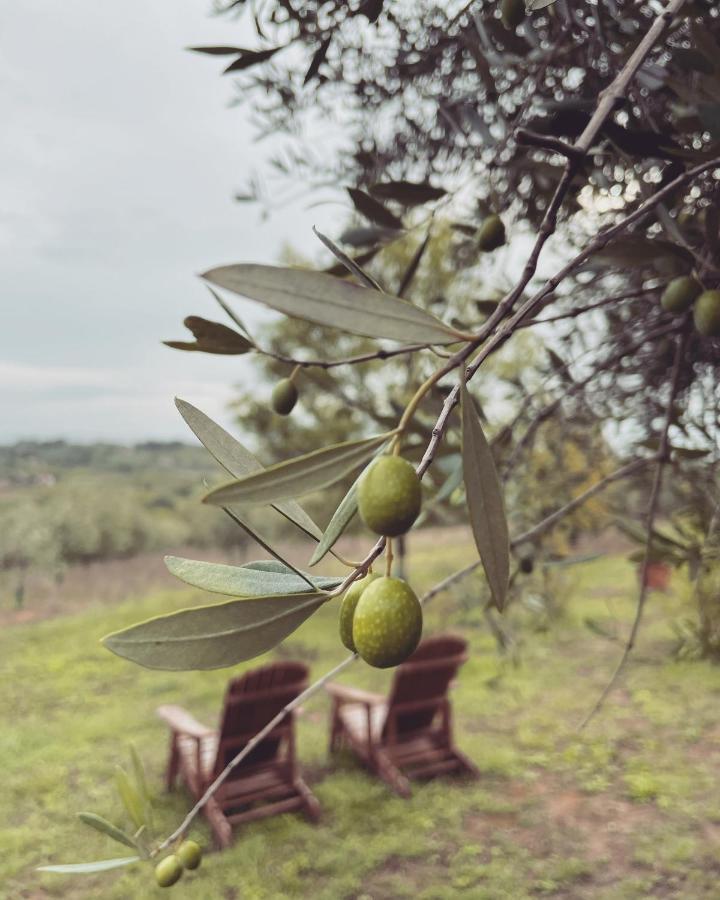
point(491, 233)
point(347, 609)
point(168, 871)
point(388, 622)
point(389, 496)
point(189, 854)
point(680, 294)
point(513, 13)
point(707, 313)
point(284, 397)
point(527, 564)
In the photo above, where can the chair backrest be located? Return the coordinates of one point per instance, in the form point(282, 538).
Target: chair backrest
point(251, 701)
point(421, 683)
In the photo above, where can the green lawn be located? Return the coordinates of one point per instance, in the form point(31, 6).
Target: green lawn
point(628, 809)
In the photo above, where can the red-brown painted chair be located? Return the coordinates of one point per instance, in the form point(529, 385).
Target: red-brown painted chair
point(267, 781)
point(409, 733)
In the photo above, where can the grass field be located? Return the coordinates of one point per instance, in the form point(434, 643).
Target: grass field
point(628, 809)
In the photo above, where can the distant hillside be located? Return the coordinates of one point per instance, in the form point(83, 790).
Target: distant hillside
point(62, 504)
point(31, 461)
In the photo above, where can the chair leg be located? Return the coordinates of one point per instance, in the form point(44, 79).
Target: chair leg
point(310, 801)
point(466, 764)
point(219, 825)
point(335, 732)
point(391, 775)
point(173, 764)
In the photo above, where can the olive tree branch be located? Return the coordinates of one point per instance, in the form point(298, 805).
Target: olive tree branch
point(438, 588)
point(546, 412)
point(382, 353)
point(661, 460)
point(616, 90)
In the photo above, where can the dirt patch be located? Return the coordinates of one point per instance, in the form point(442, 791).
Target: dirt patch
point(554, 818)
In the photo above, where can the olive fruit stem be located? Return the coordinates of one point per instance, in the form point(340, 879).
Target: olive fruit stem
point(412, 407)
point(294, 374)
point(388, 557)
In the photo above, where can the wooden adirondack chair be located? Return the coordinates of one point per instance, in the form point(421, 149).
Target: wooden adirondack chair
point(266, 781)
point(409, 734)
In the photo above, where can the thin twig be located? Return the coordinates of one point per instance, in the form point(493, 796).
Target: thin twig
point(662, 458)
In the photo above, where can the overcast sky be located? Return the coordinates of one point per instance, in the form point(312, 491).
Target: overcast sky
point(118, 161)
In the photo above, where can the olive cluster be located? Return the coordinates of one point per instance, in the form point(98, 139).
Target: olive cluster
point(686, 292)
point(169, 870)
point(381, 617)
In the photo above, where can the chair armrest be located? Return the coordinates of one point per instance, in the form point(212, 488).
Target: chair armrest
point(345, 694)
point(181, 722)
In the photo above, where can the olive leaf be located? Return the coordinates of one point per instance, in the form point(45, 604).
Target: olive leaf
point(321, 298)
point(485, 502)
point(409, 193)
point(217, 51)
point(317, 60)
point(350, 264)
point(249, 58)
point(212, 337)
point(239, 461)
point(373, 211)
point(300, 475)
point(212, 637)
point(102, 865)
point(105, 827)
point(130, 796)
point(241, 520)
point(243, 581)
point(341, 518)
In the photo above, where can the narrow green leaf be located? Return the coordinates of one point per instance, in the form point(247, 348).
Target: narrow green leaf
point(139, 772)
point(243, 581)
point(131, 799)
point(211, 637)
point(350, 264)
point(321, 298)
point(231, 313)
point(240, 519)
point(105, 827)
point(239, 461)
point(485, 502)
point(300, 475)
point(102, 865)
point(413, 267)
point(341, 518)
point(370, 208)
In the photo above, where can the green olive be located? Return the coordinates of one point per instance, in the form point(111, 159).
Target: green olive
point(168, 871)
point(284, 397)
point(388, 622)
point(680, 294)
point(707, 313)
point(389, 496)
point(347, 609)
point(189, 854)
point(491, 233)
